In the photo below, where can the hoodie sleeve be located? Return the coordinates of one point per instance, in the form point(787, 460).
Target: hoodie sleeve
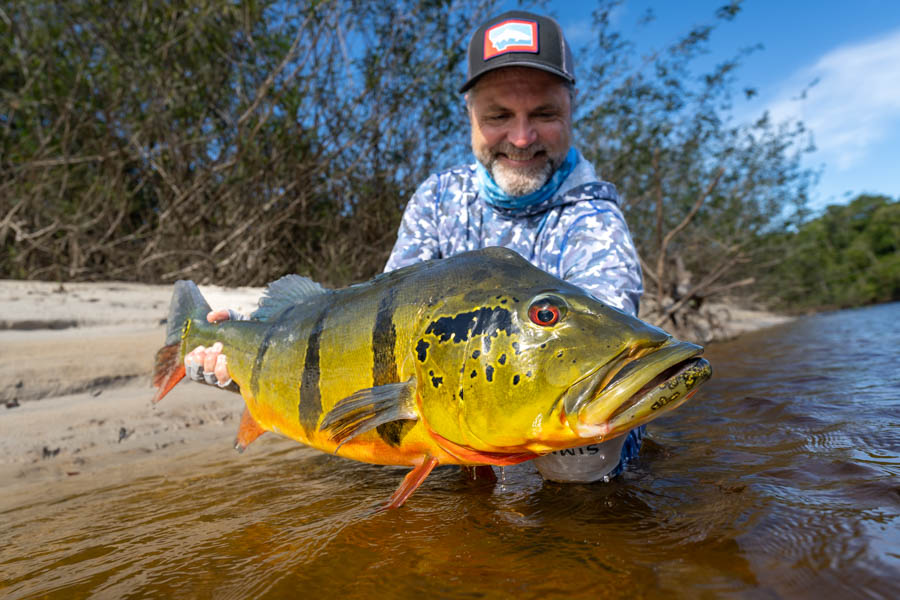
point(598, 255)
point(417, 238)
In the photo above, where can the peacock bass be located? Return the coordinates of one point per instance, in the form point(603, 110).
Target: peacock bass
point(476, 359)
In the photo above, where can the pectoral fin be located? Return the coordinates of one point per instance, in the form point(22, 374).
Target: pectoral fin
point(368, 408)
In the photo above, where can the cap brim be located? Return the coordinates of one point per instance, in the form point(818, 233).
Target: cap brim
point(531, 65)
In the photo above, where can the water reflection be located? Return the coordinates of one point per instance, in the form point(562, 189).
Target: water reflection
point(779, 480)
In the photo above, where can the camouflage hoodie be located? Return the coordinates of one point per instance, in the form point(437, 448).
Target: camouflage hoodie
point(578, 234)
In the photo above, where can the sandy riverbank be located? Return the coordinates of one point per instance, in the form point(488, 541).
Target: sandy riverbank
point(75, 363)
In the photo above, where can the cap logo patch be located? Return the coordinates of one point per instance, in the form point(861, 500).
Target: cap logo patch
point(514, 35)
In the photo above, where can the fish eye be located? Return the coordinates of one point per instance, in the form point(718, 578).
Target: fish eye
point(547, 310)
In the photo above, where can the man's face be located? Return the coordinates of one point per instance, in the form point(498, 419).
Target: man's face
point(521, 126)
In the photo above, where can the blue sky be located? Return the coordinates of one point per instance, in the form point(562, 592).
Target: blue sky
point(850, 48)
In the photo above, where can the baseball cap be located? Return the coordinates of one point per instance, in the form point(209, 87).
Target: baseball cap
point(519, 39)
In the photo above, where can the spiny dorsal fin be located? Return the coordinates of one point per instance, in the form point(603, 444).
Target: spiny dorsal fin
point(284, 292)
point(366, 409)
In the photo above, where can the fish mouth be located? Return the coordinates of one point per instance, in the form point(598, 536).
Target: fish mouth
point(635, 389)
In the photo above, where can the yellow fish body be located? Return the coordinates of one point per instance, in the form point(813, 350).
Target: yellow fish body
point(477, 359)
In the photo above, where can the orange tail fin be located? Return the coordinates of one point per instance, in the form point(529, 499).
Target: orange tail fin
point(168, 370)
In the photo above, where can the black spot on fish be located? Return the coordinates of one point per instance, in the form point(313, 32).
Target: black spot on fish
point(476, 354)
point(485, 321)
point(437, 381)
point(460, 394)
point(516, 379)
point(309, 406)
point(474, 374)
point(503, 301)
point(422, 350)
point(502, 359)
point(392, 433)
point(544, 345)
point(489, 372)
point(559, 354)
point(384, 338)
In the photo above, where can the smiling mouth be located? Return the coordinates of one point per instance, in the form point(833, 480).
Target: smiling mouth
point(520, 160)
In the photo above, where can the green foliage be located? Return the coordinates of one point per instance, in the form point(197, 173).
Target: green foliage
point(698, 189)
point(232, 142)
point(219, 140)
point(848, 256)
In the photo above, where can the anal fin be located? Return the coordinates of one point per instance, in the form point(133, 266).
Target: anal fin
point(248, 431)
point(411, 482)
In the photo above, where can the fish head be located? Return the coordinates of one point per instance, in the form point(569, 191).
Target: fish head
point(544, 366)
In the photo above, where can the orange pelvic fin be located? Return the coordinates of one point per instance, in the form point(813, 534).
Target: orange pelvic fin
point(167, 371)
point(411, 482)
point(248, 431)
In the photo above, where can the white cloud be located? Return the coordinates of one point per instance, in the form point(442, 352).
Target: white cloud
point(854, 104)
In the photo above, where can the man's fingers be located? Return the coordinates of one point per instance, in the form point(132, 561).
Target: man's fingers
point(221, 371)
point(193, 363)
point(217, 316)
point(209, 359)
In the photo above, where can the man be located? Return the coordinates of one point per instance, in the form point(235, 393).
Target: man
point(529, 190)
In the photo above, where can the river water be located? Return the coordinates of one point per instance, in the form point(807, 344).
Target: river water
point(778, 480)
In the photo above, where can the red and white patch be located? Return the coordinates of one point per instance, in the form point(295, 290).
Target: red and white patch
point(514, 35)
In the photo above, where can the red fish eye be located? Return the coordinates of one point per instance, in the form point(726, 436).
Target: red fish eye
point(543, 313)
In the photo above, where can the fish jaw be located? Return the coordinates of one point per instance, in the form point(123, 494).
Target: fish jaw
point(641, 391)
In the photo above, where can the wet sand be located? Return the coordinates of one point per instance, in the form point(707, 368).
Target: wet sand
point(75, 363)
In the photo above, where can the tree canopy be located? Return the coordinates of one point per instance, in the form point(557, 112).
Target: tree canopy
point(848, 256)
point(233, 142)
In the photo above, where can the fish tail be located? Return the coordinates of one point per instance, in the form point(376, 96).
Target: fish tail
point(187, 303)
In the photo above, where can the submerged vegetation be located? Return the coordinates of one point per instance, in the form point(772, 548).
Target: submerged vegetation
point(233, 142)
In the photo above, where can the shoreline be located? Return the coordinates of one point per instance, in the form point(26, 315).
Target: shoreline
point(75, 365)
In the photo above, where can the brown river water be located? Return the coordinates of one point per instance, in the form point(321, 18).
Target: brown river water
point(778, 480)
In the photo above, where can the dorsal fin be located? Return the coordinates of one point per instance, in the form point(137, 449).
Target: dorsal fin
point(284, 292)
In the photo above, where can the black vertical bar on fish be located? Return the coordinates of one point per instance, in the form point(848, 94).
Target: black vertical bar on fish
point(384, 362)
point(309, 405)
point(384, 338)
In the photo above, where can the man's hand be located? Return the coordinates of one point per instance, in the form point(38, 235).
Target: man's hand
point(209, 364)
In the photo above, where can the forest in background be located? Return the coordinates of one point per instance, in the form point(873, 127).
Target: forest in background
point(232, 142)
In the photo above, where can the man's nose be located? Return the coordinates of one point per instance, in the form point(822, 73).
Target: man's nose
point(522, 134)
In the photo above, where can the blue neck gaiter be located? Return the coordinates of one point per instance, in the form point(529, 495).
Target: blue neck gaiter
point(497, 198)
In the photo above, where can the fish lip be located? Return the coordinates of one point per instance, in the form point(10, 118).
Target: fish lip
point(586, 389)
point(604, 413)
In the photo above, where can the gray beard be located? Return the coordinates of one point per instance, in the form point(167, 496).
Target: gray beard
point(517, 182)
point(520, 182)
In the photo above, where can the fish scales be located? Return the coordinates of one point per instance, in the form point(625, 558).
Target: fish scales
point(476, 359)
